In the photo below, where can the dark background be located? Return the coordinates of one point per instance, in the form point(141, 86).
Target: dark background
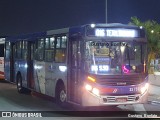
point(26, 16)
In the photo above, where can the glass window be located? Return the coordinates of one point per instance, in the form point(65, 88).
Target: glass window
point(39, 52)
point(47, 43)
point(7, 45)
point(49, 55)
point(52, 41)
point(24, 49)
point(114, 57)
point(60, 55)
point(7, 55)
point(58, 45)
point(64, 40)
point(41, 44)
point(60, 52)
point(18, 50)
point(7, 51)
point(32, 51)
point(1, 50)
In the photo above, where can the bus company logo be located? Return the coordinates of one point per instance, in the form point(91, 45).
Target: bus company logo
point(121, 83)
point(6, 114)
point(21, 114)
point(115, 90)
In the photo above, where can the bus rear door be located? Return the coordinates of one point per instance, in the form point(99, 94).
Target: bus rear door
point(30, 81)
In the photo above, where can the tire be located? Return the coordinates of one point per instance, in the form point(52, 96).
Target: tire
point(20, 89)
point(61, 95)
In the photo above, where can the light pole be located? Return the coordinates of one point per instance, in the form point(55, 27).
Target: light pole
point(106, 11)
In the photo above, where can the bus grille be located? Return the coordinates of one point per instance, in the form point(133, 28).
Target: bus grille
point(113, 99)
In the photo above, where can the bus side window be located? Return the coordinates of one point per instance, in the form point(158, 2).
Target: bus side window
point(18, 50)
point(1, 49)
point(49, 55)
point(60, 55)
point(7, 50)
point(24, 50)
point(39, 50)
point(49, 49)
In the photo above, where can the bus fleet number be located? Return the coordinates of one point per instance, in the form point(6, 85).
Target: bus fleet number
point(134, 89)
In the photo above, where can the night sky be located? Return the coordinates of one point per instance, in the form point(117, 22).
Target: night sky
point(26, 16)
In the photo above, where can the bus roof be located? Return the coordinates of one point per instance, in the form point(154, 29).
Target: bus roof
point(81, 29)
point(27, 37)
point(72, 31)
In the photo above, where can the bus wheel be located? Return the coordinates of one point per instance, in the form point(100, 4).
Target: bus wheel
point(61, 95)
point(19, 84)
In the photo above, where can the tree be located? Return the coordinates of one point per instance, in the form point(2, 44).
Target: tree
point(152, 29)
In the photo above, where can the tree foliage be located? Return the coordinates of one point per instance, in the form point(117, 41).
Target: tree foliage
point(152, 29)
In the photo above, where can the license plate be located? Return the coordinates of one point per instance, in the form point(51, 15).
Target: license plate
point(121, 99)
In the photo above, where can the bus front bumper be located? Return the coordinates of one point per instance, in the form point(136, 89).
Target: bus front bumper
point(89, 99)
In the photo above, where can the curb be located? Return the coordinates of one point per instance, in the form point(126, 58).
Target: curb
point(153, 100)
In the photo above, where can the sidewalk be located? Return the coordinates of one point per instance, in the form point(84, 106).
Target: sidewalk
point(154, 89)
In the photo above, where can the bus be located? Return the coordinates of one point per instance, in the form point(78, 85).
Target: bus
point(88, 65)
point(2, 41)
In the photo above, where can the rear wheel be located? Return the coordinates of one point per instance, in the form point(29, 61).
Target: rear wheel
point(61, 95)
point(20, 88)
point(19, 84)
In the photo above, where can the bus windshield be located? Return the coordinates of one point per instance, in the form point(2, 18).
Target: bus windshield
point(115, 57)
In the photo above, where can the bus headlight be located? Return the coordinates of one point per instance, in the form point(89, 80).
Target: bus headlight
point(144, 88)
point(95, 91)
point(91, 89)
point(88, 87)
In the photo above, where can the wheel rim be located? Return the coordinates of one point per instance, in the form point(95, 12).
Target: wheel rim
point(19, 84)
point(62, 96)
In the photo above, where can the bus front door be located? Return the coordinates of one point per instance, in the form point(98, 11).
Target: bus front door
point(75, 71)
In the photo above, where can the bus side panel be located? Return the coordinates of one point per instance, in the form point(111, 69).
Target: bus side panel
point(21, 67)
point(50, 80)
point(46, 75)
point(56, 74)
point(39, 76)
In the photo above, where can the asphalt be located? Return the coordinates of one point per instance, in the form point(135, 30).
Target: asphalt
point(154, 89)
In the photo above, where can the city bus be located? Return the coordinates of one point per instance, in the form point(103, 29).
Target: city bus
point(88, 65)
point(2, 41)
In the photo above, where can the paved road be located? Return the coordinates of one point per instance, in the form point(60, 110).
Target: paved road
point(11, 100)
